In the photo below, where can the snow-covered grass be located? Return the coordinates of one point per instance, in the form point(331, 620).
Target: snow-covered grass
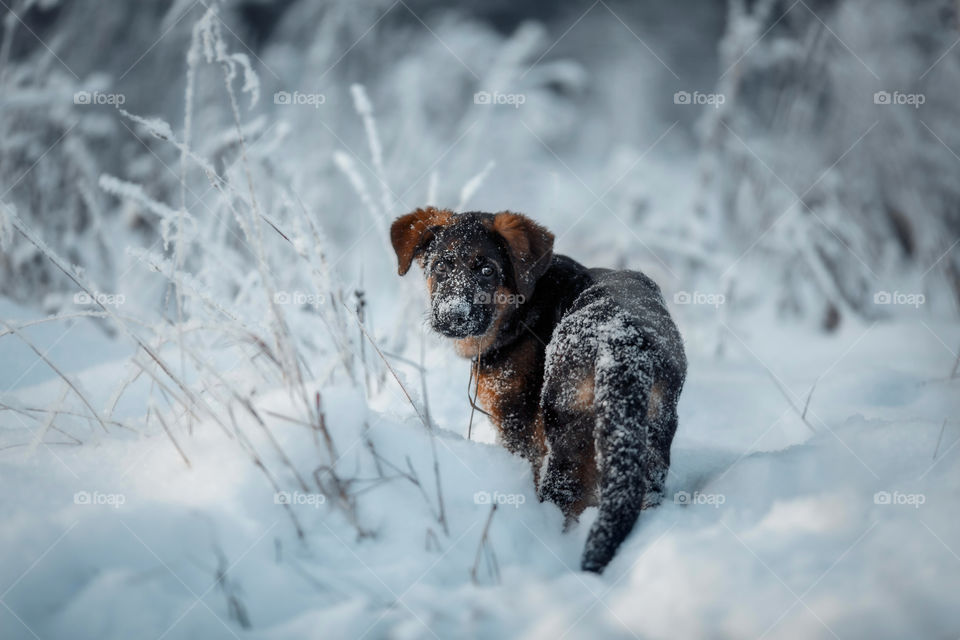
point(776, 527)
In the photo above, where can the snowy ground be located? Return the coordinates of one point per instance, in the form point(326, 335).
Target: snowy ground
point(843, 528)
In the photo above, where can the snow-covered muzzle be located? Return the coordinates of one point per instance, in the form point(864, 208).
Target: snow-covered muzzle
point(467, 269)
point(462, 298)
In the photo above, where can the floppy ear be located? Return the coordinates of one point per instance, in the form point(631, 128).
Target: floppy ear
point(530, 246)
point(410, 233)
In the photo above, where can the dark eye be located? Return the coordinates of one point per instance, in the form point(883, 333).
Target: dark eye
point(441, 266)
point(487, 271)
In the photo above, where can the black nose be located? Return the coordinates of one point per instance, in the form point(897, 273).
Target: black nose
point(453, 310)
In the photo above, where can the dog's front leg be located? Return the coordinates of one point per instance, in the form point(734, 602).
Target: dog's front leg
point(522, 434)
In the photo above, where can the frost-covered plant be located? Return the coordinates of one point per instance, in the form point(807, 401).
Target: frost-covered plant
point(809, 171)
point(250, 280)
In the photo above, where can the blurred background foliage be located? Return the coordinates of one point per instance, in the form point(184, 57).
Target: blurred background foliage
point(798, 193)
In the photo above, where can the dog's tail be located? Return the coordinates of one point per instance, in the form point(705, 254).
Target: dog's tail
point(632, 457)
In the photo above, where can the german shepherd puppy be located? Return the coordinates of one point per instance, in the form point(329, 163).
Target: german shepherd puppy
point(578, 368)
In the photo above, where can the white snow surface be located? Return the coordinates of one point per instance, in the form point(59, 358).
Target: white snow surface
point(843, 528)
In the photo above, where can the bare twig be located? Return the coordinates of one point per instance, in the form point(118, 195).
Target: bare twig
point(52, 415)
point(230, 590)
point(393, 372)
point(360, 307)
point(411, 475)
point(176, 444)
point(474, 373)
point(431, 541)
point(28, 412)
point(46, 444)
point(939, 438)
point(441, 516)
point(322, 428)
point(406, 361)
point(57, 317)
point(258, 463)
point(485, 550)
point(339, 491)
point(56, 369)
point(786, 395)
point(423, 382)
point(806, 405)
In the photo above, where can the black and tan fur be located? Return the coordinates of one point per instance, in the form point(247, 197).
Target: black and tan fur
point(580, 369)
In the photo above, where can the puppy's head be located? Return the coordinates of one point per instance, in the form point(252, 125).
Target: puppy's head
point(478, 266)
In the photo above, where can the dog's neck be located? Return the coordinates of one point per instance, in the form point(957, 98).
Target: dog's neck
point(504, 332)
point(562, 283)
point(514, 326)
